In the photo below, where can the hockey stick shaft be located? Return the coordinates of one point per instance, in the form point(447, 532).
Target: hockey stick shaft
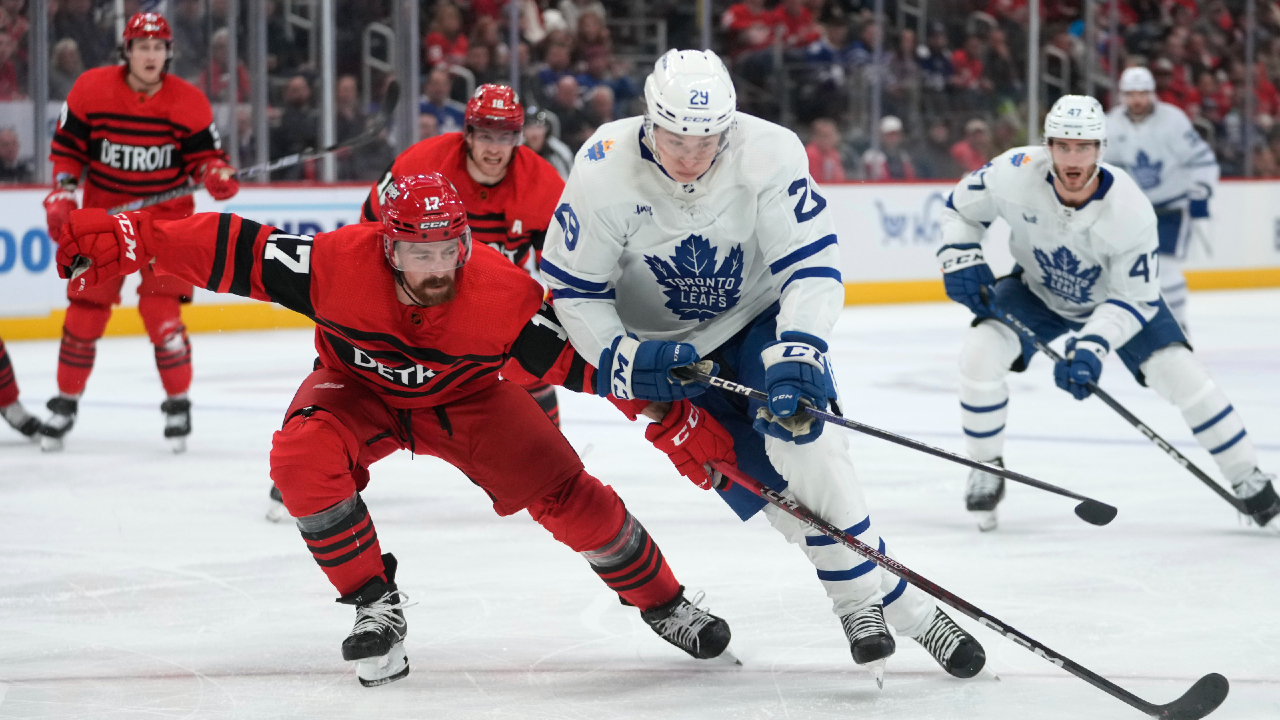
point(1021, 328)
point(1202, 699)
point(1090, 510)
point(375, 128)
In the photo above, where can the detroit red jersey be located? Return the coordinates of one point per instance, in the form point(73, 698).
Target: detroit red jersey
point(134, 145)
point(511, 217)
point(412, 357)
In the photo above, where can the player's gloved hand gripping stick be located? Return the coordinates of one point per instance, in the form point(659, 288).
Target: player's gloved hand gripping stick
point(1092, 386)
point(375, 126)
point(1203, 698)
point(1089, 510)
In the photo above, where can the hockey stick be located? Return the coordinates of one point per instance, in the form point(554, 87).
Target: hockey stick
point(373, 128)
point(1089, 510)
point(1019, 327)
point(1203, 698)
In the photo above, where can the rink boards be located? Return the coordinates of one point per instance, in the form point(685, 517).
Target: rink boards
point(888, 236)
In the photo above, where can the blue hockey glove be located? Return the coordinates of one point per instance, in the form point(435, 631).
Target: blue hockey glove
point(794, 369)
point(964, 273)
point(634, 370)
point(1081, 366)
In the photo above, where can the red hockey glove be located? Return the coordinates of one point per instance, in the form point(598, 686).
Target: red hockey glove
point(630, 408)
point(113, 244)
point(58, 206)
point(220, 180)
point(691, 438)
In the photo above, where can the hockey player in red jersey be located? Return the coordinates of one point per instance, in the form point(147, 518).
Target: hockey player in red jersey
point(510, 192)
point(133, 130)
point(413, 325)
point(10, 408)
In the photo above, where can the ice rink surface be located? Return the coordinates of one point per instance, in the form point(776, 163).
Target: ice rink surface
point(139, 584)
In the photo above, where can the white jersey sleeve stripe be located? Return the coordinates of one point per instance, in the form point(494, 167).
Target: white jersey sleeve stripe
point(571, 280)
point(812, 272)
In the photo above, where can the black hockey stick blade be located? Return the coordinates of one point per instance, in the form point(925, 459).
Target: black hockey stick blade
point(1203, 698)
point(1095, 512)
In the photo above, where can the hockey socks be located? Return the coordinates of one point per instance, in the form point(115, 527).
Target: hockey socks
point(344, 544)
point(84, 324)
point(546, 397)
point(633, 566)
point(162, 315)
point(8, 385)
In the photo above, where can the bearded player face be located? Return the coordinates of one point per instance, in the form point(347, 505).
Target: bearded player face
point(146, 59)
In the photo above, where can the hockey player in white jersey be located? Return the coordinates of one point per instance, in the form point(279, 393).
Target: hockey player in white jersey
point(1155, 143)
point(1085, 241)
point(695, 232)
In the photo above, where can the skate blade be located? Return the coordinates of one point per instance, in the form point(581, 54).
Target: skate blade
point(277, 512)
point(178, 445)
point(876, 668)
point(50, 444)
point(384, 669)
point(728, 657)
point(986, 519)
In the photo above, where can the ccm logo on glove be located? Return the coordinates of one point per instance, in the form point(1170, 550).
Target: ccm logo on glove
point(130, 237)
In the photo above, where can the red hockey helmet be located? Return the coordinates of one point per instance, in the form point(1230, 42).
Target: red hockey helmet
point(424, 224)
point(147, 25)
point(495, 107)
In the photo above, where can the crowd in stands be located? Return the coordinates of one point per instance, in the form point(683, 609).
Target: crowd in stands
point(952, 95)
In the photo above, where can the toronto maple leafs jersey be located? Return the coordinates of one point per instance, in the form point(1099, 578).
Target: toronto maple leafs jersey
point(1164, 154)
point(632, 250)
point(1094, 264)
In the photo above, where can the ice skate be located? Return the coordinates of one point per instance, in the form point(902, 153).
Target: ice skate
point(958, 652)
point(21, 420)
point(1259, 496)
point(869, 640)
point(982, 493)
point(177, 422)
point(691, 628)
point(376, 643)
point(277, 511)
point(59, 424)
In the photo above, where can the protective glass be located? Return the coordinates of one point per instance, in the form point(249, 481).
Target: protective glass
point(430, 257)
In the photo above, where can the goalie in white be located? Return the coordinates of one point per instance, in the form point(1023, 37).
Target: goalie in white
point(696, 232)
point(1155, 143)
point(1084, 238)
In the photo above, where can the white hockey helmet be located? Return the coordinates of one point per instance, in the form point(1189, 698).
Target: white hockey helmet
point(1137, 79)
point(689, 92)
point(1076, 117)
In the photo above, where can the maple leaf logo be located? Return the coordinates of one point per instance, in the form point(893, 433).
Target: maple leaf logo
point(1063, 276)
point(697, 288)
point(1145, 172)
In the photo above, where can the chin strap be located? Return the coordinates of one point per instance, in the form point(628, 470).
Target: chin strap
point(1097, 170)
point(400, 281)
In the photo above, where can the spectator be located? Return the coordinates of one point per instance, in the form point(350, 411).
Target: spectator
point(567, 105)
point(349, 119)
point(599, 106)
point(794, 16)
point(824, 152)
point(445, 43)
point(971, 86)
point(902, 80)
point(11, 77)
point(1000, 70)
point(1264, 163)
point(936, 70)
point(932, 155)
point(480, 62)
point(12, 171)
point(1171, 88)
point(219, 90)
point(428, 126)
point(748, 27)
point(74, 19)
point(975, 150)
point(485, 32)
point(64, 67)
point(600, 74)
point(283, 55)
point(559, 56)
point(297, 130)
point(449, 113)
point(593, 36)
point(1214, 99)
point(573, 10)
point(245, 134)
point(540, 138)
point(13, 19)
point(190, 44)
point(891, 161)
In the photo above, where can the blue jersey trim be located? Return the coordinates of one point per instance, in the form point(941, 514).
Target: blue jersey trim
point(851, 573)
point(1105, 181)
point(1212, 421)
point(822, 540)
point(807, 251)
point(993, 433)
point(985, 408)
point(571, 280)
point(1141, 320)
point(812, 272)
point(1227, 445)
point(567, 294)
point(895, 593)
